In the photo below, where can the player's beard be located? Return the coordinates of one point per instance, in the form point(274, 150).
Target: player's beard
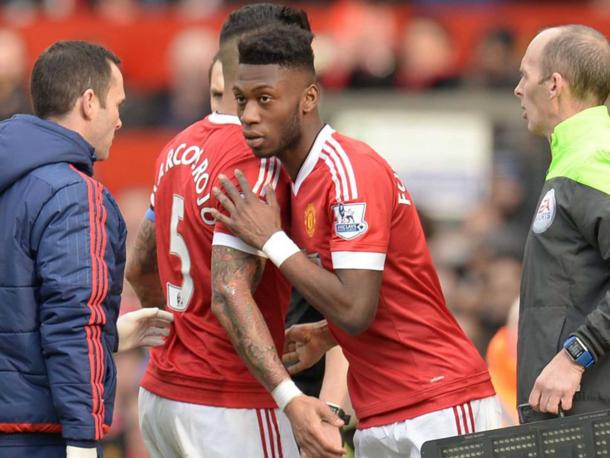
point(291, 134)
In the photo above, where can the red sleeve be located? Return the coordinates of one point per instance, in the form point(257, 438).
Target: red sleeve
point(259, 173)
point(361, 204)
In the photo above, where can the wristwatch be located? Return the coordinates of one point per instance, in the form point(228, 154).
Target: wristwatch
point(339, 412)
point(579, 352)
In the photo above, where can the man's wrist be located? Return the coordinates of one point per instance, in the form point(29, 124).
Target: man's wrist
point(285, 392)
point(279, 247)
point(324, 335)
point(578, 352)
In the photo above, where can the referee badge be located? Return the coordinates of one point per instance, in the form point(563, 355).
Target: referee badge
point(546, 213)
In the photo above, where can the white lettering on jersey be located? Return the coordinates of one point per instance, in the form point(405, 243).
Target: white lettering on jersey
point(402, 196)
point(175, 158)
point(349, 220)
point(195, 155)
point(184, 155)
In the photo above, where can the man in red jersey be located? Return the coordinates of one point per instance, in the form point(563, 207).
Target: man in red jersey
point(198, 397)
point(414, 375)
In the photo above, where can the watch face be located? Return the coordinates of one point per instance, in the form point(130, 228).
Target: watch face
point(575, 349)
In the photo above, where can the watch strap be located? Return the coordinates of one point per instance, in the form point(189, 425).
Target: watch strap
point(582, 356)
point(339, 412)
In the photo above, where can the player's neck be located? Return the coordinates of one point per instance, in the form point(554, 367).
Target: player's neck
point(294, 158)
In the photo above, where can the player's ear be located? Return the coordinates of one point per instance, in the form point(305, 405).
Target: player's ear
point(311, 98)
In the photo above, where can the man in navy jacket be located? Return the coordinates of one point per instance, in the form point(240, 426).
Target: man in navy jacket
point(62, 254)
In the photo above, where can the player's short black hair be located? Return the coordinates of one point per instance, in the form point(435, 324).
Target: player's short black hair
point(286, 46)
point(252, 17)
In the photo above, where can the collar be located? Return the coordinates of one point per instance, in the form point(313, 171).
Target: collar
point(312, 157)
point(570, 135)
point(220, 118)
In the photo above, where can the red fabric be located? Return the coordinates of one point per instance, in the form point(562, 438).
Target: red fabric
point(414, 358)
point(262, 432)
point(198, 363)
point(457, 420)
point(9, 428)
point(99, 289)
point(278, 438)
point(471, 416)
point(465, 420)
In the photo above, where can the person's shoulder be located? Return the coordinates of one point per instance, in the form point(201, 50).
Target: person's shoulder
point(356, 154)
point(77, 185)
point(58, 175)
point(229, 143)
point(214, 139)
point(215, 132)
point(191, 134)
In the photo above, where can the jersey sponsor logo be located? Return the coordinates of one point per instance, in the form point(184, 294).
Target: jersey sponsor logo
point(310, 220)
point(349, 220)
point(546, 213)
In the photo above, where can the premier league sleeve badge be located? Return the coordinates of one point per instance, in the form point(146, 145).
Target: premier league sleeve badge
point(349, 220)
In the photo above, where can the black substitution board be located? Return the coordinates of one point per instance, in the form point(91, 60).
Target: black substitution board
point(577, 436)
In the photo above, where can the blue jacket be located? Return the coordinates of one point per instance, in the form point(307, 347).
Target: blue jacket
point(62, 256)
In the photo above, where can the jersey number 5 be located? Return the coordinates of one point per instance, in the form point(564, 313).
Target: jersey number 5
point(178, 297)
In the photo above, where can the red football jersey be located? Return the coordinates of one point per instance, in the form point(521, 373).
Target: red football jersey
point(198, 363)
point(350, 209)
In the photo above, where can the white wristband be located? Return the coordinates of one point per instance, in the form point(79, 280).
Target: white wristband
point(279, 247)
point(285, 392)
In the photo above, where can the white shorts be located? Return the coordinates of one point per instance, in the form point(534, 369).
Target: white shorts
point(183, 430)
point(405, 439)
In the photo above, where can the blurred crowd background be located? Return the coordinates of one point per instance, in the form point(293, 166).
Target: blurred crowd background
point(427, 82)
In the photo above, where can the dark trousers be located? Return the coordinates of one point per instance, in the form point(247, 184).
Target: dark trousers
point(35, 445)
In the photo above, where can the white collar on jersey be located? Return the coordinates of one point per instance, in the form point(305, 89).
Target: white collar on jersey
point(312, 157)
point(219, 118)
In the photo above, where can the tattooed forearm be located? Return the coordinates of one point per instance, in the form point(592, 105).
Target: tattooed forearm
point(142, 271)
point(145, 248)
point(235, 276)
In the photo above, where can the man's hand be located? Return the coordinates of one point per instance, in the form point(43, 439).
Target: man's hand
point(315, 427)
point(332, 433)
point(146, 327)
point(556, 384)
point(250, 218)
point(304, 345)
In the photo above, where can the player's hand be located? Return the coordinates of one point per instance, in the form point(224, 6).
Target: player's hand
point(250, 218)
point(146, 327)
point(332, 433)
point(315, 427)
point(304, 346)
point(556, 385)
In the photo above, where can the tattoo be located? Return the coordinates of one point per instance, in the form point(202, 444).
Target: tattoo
point(142, 270)
point(145, 248)
point(235, 276)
